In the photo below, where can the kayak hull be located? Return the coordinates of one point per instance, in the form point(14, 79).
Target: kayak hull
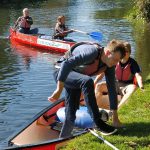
point(40, 41)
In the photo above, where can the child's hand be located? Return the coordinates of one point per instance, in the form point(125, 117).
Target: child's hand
point(56, 94)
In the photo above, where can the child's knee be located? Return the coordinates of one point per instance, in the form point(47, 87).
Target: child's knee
point(101, 87)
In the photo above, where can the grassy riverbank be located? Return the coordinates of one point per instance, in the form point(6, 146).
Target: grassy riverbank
point(140, 11)
point(136, 117)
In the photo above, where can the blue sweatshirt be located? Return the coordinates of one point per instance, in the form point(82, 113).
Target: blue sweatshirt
point(85, 54)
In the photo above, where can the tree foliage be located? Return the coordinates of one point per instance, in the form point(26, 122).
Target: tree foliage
point(142, 8)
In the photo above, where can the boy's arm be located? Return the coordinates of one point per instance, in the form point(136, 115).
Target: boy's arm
point(139, 80)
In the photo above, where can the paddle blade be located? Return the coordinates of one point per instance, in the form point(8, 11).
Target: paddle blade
point(96, 36)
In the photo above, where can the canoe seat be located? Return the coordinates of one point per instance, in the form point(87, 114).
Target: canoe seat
point(83, 118)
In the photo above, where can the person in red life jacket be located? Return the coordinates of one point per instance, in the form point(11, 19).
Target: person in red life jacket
point(61, 31)
point(83, 61)
point(24, 23)
point(128, 76)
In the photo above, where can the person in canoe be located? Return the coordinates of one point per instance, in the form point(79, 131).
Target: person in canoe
point(128, 76)
point(75, 75)
point(24, 23)
point(61, 31)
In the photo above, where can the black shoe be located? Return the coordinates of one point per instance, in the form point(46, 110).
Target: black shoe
point(104, 115)
point(105, 129)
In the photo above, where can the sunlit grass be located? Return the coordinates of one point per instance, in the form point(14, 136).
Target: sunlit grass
point(136, 117)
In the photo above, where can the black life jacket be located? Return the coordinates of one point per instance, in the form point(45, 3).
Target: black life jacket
point(92, 68)
point(56, 32)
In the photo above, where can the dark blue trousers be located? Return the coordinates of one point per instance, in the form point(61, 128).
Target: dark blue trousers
point(74, 84)
point(28, 31)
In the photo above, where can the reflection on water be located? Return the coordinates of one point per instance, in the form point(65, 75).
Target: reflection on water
point(26, 74)
point(26, 82)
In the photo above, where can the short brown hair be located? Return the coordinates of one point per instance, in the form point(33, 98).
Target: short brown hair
point(127, 47)
point(116, 46)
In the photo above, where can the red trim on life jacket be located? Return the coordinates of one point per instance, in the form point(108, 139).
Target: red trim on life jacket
point(92, 68)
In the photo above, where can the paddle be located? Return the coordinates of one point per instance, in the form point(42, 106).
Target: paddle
point(105, 141)
point(14, 30)
point(95, 35)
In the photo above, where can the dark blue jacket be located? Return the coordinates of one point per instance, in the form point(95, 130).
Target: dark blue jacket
point(85, 54)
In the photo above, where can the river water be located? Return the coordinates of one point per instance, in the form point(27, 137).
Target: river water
point(26, 74)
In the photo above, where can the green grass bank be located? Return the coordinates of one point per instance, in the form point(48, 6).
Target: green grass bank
point(135, 115)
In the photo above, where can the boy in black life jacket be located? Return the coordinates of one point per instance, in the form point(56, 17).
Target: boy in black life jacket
point(74, 74)
point(128, 77)
point(61, 31)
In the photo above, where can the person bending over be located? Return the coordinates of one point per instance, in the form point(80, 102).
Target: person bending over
point(76, 68)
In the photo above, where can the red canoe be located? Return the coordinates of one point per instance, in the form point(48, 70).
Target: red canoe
point(42, 42)
point(42, 132)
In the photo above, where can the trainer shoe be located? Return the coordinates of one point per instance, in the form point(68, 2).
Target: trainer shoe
point(104, 115)
point(105, 129)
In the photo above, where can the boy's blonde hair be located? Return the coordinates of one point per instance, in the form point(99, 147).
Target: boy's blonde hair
point(25, 10)
point(59, 18)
